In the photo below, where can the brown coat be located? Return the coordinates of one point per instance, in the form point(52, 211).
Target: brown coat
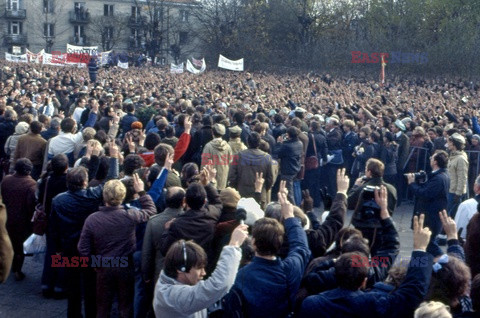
point(18, 193)
point(31, 146)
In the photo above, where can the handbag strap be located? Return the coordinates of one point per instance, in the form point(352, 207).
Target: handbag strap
point(45, 192)
point(314, 145)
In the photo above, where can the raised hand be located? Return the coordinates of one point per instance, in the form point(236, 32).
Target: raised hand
point(138, 185)
point(259, 181)
point(449, 225)
point(342, 181)
point(421, 235)
point(187, 124)
point(287, 207)
point(239, 235)
point(381, 197)
point(307, 202)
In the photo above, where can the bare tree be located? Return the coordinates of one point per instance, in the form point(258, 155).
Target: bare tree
point(45, 23)
point(108, 30)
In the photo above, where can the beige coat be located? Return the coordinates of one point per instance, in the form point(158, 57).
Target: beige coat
point(219, 153)
point(458, 171)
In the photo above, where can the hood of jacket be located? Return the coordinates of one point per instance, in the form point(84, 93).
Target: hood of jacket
point(219, 144)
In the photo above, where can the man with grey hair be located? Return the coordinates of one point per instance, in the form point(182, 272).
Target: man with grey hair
point(53, 130)
point(467, 209)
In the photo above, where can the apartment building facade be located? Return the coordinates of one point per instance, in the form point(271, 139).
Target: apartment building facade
point(157, 28)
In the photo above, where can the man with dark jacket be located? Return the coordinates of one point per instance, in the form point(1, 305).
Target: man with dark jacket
point(245, 167)
point(370, 225)
point(69, 212)
point(109, 235)
point(199, 220)
point(322, 236)
point(279, 128)
point(348, 300)
point(334, 144)
point(431, 196)
point(93, 69)
point(289, 152)
point(317, 146)
point(128, 119)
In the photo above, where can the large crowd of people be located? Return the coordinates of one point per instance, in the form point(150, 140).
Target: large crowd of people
point(180, 195)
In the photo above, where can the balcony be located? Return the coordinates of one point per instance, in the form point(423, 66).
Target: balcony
point(79, 17)
point(15, 14)
point(79, 40)
point(16, 39)
point(137, 21)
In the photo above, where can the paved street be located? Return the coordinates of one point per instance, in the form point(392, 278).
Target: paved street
point(24, 299)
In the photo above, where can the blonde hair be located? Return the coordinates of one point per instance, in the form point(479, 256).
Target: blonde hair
point(114, 192)
point(433, 309)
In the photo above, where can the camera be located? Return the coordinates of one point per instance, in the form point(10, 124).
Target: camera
point(370, 209)
point(420, 176)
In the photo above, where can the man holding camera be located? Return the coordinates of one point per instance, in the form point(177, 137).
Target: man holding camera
point(366, 217)
point(431, 196)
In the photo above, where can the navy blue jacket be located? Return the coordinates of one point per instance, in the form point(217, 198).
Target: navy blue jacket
point(402, 302)
point(289, 152)
point(70, 210)
point(126, 122)
point(269, 286)
point(321, 144)
point(431, 198)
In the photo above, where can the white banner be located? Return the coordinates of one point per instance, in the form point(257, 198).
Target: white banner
point(35, 58)
point(176, 69)
point(193, 70)
point(227, 64)
point(104, 56)
point(16, 58)
point(57, 60)
point(122, 65)
point(90, 50)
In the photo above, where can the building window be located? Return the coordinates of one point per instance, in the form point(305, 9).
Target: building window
point(136, 12)
point(79, 34)
point(48, 6)
point(49, 29)
point(184, 15)
point(15, 28)
point(183, 38)
point(108, 10)
point(13, 5)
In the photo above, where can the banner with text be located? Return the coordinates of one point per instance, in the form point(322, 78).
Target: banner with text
point(16, 58)
point(176, 69)
point(231, 65)
point(80, 54)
